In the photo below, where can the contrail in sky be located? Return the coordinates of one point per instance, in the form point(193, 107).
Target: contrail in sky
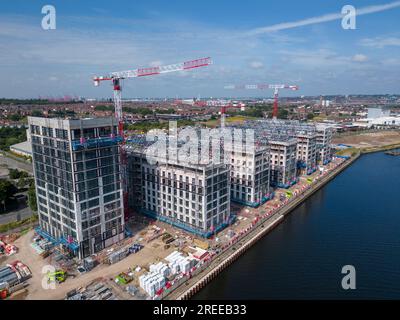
point(322, 19)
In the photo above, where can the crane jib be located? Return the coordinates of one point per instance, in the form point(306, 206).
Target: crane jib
point(148, 71)
point(196, 63)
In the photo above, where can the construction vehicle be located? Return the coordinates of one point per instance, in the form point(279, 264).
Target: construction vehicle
point(123, 278)
point(58, 276)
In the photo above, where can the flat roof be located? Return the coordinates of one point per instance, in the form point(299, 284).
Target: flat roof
point(68, 124)
point(23, 146)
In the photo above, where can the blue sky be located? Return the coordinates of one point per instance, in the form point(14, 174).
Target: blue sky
point(249, 41)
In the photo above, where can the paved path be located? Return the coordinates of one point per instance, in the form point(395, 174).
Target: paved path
point(16, 215)
point(15, 163)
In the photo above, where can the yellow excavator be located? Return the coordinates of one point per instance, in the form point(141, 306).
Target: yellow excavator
point(58, 276)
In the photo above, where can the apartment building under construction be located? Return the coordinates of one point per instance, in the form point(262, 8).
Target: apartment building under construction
point(194, 197)
point(283, 161)
point(78, 185)
point(324, 141)
point(250, 174)
point(307, 152)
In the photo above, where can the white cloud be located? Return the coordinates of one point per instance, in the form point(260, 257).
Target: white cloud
point(321, 58)
point(391, 62)
point(323, 18)
point(256, 65)
point(380, 42)
point(359, 58)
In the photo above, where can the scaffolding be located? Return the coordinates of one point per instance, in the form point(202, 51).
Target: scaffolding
point(279, 130)
point(164, 172)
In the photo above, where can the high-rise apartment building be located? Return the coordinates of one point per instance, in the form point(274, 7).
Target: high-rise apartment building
point(78, 183)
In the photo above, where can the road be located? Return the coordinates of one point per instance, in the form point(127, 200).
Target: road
point(15, 163)
point(19, 164)
point(16, 215)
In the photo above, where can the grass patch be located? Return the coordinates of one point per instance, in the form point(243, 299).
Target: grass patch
point(353, 151)
point(319, 118)
point(16, 224)
point(234, 119)
point(380, 148)
point(239, 119)
point(348, 152)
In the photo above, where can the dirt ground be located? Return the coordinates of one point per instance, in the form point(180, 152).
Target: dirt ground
point(373, 139)
point(152, 252)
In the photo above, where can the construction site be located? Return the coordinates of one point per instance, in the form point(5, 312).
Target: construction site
point(115, 225)
point(151, 264)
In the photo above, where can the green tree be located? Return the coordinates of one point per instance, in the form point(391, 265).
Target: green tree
point(32, 197)
point(15, 117)
point(7, 190)
point(283, 114)
point(9, 136)
point(22, 182)
point(165, 111)
point(310, 116)
point(16, 174)
point(36, 113)
point(102, 107)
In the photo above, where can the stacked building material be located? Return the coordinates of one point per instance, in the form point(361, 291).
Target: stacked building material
point(95, 291)
point(179, 263)
point(135, 248)
point(118, 255)
point(152, 282)
point(160, 268)
point(9, 276)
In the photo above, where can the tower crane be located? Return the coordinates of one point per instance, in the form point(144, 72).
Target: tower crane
point(275, 87)
point(116, 79)
point(223, 110)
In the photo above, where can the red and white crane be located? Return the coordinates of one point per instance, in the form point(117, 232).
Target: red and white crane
point(275, 87)
point(116, 79)
point(224, 107)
